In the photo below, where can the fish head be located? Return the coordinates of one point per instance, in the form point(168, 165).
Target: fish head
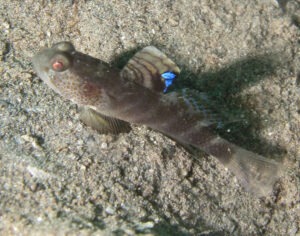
point(74, 75)
point(53, 63)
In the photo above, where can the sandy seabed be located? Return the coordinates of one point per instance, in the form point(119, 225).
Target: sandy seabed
point(59, 177)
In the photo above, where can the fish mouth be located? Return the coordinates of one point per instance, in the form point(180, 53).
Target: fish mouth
point(39, 61)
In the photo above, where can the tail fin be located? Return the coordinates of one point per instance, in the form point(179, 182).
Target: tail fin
point(255, 173)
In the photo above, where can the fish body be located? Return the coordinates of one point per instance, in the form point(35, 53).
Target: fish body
point(138, 94)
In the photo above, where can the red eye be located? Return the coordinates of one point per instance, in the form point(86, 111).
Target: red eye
point(58, 65)
point(60, 62)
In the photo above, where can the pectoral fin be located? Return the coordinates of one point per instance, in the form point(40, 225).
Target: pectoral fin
point(103, 124)
point(152, 69)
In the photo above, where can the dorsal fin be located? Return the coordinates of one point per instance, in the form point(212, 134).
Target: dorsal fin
point(152, 69)
point(103, 124)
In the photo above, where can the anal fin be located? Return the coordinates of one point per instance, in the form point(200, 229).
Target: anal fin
point(103, 124)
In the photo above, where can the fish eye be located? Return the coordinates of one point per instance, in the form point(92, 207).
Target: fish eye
point(60, 63)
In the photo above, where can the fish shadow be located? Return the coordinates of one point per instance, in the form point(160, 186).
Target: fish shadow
point(223, 87)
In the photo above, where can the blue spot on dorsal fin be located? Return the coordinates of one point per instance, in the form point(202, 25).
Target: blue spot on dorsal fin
point(168, 77)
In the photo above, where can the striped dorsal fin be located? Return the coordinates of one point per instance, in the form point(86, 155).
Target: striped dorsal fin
point(152, 69)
